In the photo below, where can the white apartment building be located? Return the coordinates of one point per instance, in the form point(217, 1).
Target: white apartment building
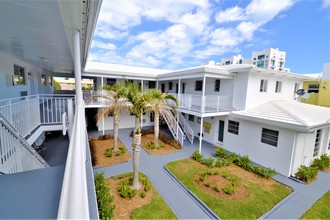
point(271, 58)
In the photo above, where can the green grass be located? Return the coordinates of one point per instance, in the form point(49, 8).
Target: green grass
point(156, 209)
point(320, 210)
point(258, 201)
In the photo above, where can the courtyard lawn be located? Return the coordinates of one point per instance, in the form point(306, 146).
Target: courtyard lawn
point(259, 197)
point(320, 210)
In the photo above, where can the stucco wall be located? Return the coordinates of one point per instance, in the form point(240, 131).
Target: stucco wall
point(248, 142)
point(32, 83)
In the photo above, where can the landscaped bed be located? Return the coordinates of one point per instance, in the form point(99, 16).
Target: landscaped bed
point(146, 204)
point(102, 155)
point(247, 195)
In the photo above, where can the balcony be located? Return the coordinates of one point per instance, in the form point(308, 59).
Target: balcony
point(204, 104)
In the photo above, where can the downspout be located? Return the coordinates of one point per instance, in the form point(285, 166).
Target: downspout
point(292, 154)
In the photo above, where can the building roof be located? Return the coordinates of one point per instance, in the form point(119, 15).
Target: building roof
point(288, 114)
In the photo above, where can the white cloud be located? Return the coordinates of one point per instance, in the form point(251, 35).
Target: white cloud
point(230, 14)
point(326, 4)
point(102, 45)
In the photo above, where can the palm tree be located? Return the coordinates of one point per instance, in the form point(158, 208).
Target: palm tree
point(159, 106)
point(138, 102)
point(116, 101)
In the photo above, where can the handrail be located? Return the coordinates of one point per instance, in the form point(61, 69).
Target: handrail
point(23, 143)
point(74, 201)
point(174, 128)
point(186, 127)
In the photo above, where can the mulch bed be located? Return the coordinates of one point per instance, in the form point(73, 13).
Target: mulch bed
point(167, 149)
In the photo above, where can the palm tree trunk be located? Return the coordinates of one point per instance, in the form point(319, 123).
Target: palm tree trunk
point(116, 114)
point(136, 153)
point(156, 128)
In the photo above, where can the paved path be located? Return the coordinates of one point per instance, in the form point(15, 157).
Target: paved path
point(293, 207)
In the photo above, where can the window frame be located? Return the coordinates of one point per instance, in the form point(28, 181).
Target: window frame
point(191, 118)
point(316, 149)
point(233, 127)
point(199, 85)
point(152, 85)
point(263, 85)
point(19, 75)
point(268, 139)
point(313, 90)
point(278, 87)
point(217, 85)
point(170, 85)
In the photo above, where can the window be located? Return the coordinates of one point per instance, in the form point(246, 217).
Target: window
point(198, 85)
point(233, 127)
point(43, 79)
point(227, 62)
point(317, 143)
point(217, 85)
point(263, 85)
point(278, 87)
point(152, 84)
point(191, 118)
point(296, 87)
point(111, 82)
point(50, 80)
point(170, 85)
point(313, 88)
point(177, 88)
point(261, 57)
point(19, 76)
point(269, 137)
point(198, 120)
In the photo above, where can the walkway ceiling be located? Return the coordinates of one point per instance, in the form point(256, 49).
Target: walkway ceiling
point(40, 32)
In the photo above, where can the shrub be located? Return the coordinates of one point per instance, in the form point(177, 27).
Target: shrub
point(143, 194)
point(122, 150)
point(92, 148)
point(169, 140)
point(307, 174)
point(233, 157)
point(125, 190)
point(150, 145)
point(245, 163)
point(220, 152)
point(216, 188)
point(263, 172)
point(197, 156)
point(104, 199)
point(105, 137)
point(230, 188)
point(207, 184)
point(108, 152)
point(322, 163)
point(202, 176)
point(208, 161)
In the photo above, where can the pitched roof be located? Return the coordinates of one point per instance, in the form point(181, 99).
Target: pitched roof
point(288, 114)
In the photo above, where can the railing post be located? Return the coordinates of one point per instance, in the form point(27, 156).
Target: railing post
point(28, 111)
point(11, 112)
point(218, 103)
point(70, 111)
point(189, 102)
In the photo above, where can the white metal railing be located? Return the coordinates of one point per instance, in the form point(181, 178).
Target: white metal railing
point(74, 195)
point(174, 128)
point(28, 112)
point(207, 103)
point(186, 128)
point(16, 155)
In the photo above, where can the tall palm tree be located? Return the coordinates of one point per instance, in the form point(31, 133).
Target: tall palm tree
point(138, 101)
point(115, 102)
point(159, 106)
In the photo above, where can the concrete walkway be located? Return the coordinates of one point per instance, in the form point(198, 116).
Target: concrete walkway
point(185, 207)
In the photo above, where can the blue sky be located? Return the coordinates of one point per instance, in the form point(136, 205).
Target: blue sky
point(175, 34)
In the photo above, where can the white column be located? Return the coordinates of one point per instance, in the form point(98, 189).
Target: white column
point(102, 84)
point(203, 96)
point(177, 115)
point(142, 114)
point(157, 85)
point(200, 136)
point(77, 69)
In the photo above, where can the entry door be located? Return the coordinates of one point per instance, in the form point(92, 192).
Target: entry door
point(221, 129)
point(163, 88)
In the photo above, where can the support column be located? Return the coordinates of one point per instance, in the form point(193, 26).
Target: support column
point(201, 136)
point(203, 96)
point(142, 114)
point(177, 115)
point(102, 84)
point(77, 69)
point(157, 87)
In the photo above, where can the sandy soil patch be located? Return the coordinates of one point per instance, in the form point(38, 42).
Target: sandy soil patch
point(167, 149)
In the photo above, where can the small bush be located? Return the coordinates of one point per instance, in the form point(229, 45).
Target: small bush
point(143, 194)
point(125, 190)
point(208, 161)
point(216, 188)
point(220, 152)
point(104, 199)
point(307, 174)
point(322, 163)
point(105, 137)
point(91, 141)
point(233, 157)
point(230, 188)
point(245, 163)
point(202, 176)
point(108, 152)
point(197, 156)
point(151, 145)
point(207, 184)
point(122, 150)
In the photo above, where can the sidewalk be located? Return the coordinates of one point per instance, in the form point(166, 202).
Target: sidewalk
point(293, 207)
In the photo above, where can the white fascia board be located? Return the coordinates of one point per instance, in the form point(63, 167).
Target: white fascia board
point(215, 114)
point(119, 75)
point(280, 73)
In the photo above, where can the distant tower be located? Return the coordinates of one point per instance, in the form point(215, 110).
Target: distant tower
point(270, 59)
point(232, 60)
